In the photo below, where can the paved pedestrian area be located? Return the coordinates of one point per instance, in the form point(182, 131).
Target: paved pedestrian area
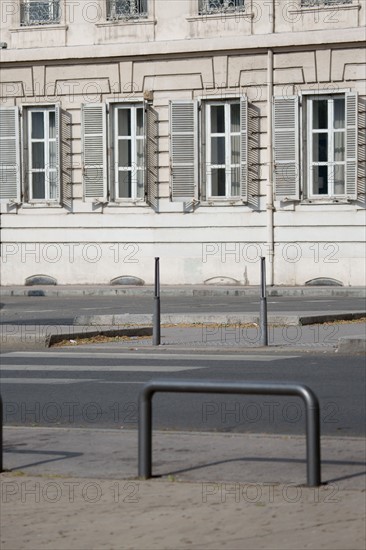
point(77, 489)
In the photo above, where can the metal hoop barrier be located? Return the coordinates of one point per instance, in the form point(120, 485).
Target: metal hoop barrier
point(196, 386)
point(1, 434)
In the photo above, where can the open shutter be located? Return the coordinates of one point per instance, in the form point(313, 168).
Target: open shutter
point(65, 155)
point(151, 155)
point(9, 155)
point(286, 147)
point(351, 145)
point(244, 148)
point(94, 132)
point(183, 150)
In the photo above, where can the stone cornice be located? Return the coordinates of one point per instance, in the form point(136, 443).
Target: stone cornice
point(341, 37)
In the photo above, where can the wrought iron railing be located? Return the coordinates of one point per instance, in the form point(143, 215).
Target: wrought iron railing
point(207, 7)
point(313, 3)
point(126, 9)
point(39, 12)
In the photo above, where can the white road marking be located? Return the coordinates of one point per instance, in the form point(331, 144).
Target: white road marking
point(149, 356)
point(94, 368)
point(46, 380)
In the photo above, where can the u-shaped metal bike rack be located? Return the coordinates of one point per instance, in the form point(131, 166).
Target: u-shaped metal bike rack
point(258, 388)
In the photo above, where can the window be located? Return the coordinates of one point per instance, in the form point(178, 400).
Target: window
point(120, 152)
point(326, 146)
point(207, 7)
point(222, 150)
point(30, 155)
point(321, 160)
point(39, 12)
point(128, 149)
point(126, 9)
point(42, 154)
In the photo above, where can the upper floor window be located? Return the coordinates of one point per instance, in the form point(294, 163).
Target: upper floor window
point(120, 152)
point(31, 153)
point(326, 146)
point(126, 9)
point(128, 152)
point(42, 159)
point(220, 6)
point(39, 12)
point(209, 150)
point(223, 149)
point(312, 3)
point(315, 146)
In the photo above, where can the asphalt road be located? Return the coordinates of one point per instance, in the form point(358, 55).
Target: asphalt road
point(99, 388)
point(60, 310)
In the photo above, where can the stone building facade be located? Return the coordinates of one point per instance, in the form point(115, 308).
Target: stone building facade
point(206, 132)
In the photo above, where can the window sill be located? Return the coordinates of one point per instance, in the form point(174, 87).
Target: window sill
point(327, 200)
point(126, 22)
point(130, 203)
point(222, 202)
point(55, 26)
point(41, 204)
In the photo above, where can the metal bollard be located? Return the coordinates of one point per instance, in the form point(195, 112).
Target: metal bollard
point(156, 315)
point(263, 309)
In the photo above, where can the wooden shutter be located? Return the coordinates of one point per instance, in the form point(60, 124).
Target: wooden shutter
point(94, 133)
point(286, 147)
point(151, 155)
point(183, 150)
point(9, 155)
point(351, 145)
point(244, 148)
point(65, 155)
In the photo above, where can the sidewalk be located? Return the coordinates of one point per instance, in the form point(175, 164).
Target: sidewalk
point(345, 338)
point(77, 489)
point(180, 290)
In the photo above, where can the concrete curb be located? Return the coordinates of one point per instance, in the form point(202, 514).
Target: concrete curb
point(352, 344)
point(43, 336)
point(194, 290)
point(215, 318)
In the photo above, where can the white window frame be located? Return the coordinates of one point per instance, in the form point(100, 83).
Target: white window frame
point(54, 11)
point(134, 138)
point(207, 144)
point(47, 170)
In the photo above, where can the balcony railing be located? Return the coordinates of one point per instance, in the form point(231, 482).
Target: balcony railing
point(39, 12)
point(126, 9)
point(313, 3)
point(207, 7)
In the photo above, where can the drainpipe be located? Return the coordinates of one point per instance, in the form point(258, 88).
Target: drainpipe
point(269, 190)
point(269, 187)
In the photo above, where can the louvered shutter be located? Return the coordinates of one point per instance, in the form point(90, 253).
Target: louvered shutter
point(65, 155)
point(183, 150)
point(244, 148)
point(286, 147)
point(151, 155)
point(94, 131)
point(9, 155)
point(351, 145)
